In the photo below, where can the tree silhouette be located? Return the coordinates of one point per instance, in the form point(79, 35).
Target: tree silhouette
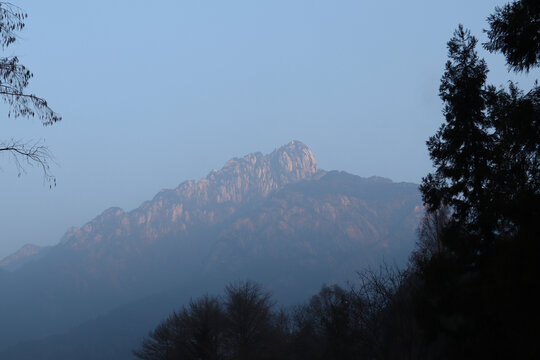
point(248, 310)
point(328, 327)
point(241, 325)
point(195, 332)
point(430, 237)
point(479, 289)
point(461, 147)
point(514, 30)
point(14, 78)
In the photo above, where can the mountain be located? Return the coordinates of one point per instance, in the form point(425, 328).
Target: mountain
point(25, 254)
point(274, 218)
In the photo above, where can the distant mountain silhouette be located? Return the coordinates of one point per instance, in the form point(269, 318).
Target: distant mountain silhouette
point(272, 218)
point(25, 254)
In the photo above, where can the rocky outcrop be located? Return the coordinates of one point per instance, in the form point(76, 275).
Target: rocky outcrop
point(201, 203)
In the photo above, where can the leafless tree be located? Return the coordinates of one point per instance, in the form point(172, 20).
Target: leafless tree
point(250, 320)
point(195, 332)
point(14, 79)
point(430, 232)
point(239, 325)
point(387, 313)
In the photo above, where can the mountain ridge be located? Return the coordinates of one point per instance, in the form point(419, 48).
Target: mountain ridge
point(254, 175)
point(276, 218)
point(306, 168)
point(26, 253)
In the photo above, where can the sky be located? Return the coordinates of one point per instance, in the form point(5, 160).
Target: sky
point(156, 93)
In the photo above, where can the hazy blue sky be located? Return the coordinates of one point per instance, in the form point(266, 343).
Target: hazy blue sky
point(155, 93)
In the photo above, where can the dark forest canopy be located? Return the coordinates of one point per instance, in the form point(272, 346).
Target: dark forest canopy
point(337, 323)
point(478, 294)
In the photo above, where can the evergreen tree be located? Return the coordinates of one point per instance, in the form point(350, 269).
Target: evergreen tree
point(478, 296)
point(462, 146)
point(514, 30)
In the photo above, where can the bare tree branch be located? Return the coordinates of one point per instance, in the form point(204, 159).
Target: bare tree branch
point(14, 78)
point(33, 154)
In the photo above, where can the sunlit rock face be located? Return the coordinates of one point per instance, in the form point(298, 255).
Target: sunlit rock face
point(204, 202)
point(273, 218)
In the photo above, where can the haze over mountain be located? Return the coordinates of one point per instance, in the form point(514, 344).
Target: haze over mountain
point(274, 218)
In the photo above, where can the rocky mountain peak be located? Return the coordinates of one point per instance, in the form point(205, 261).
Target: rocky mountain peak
point(257, 175)
point(252, 177)
point(293, 161)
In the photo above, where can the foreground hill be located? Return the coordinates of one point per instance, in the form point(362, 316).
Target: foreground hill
point(273, 218)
